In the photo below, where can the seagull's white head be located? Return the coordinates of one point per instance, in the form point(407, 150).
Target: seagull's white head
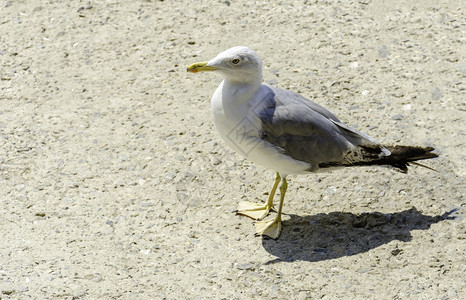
point(238, 64)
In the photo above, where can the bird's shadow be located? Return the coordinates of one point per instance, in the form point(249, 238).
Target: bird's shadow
point(328, 236)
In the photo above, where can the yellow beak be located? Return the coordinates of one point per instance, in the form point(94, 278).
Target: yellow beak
point(200, 67)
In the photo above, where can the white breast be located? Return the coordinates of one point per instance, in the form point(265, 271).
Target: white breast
point(238, 125)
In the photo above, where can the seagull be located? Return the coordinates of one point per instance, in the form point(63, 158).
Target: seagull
point(285, 132)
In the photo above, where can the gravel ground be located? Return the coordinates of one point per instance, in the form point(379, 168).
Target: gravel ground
point(115, 185)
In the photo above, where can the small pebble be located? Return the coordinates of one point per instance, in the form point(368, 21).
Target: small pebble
point(395, 252)
point(331, 190)
point(407, 107)
point(398, 117)
point(245, 267)
point(78, 293)
point(437, 94)
point(383, 51)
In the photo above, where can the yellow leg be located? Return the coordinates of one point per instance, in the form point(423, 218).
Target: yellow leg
point(273, 227)
point(259, 211)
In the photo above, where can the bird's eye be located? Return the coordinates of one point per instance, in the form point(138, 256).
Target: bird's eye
point(235, 61)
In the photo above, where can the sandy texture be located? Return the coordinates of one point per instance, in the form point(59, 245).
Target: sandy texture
point(115, 185)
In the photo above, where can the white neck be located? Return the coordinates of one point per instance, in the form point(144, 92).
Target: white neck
point(238, 92)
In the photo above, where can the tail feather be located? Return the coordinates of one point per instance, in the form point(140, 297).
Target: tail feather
point(412, 153)
point(401, 156)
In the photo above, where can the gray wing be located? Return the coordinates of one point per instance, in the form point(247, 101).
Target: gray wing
point(308, 132)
